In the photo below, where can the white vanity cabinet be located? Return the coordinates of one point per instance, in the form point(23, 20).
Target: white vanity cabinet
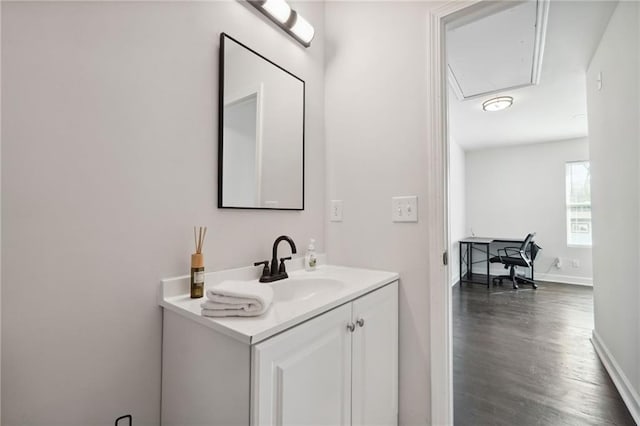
point(374, 365)
point(340, 368)
point(335, 363)
point(303, 376)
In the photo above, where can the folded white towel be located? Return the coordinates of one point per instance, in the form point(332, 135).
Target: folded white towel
point(228, 313)
point(237, 298)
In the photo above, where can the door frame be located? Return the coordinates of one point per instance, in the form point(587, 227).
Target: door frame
point(441, 365)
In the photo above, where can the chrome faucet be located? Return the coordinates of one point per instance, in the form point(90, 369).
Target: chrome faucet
point(276, 272)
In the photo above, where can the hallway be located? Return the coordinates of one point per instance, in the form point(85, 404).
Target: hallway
point(525, 357)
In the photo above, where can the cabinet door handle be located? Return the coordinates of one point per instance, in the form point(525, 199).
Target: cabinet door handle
point(360, 322)
point(351, 327)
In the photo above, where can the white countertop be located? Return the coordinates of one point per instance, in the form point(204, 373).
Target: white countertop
point(174, 296)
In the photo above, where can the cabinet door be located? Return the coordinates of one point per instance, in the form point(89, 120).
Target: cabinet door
point(303, 376)
point(375, 358)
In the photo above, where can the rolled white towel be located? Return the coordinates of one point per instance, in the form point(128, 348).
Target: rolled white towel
point(237, 298)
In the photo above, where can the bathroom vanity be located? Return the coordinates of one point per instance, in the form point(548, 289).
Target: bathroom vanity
point(326, 352)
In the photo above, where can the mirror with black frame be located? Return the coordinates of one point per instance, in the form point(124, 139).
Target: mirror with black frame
point(261, 131)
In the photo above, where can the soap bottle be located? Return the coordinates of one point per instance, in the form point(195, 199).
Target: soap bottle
point(310, 257)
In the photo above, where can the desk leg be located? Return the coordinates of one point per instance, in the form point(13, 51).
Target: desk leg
point(470, 261)
point(530, 251)
point(460, 262)
point(488, 276)
point(532, 279)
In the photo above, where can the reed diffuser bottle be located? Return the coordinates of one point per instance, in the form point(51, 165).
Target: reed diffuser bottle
point(197, 264)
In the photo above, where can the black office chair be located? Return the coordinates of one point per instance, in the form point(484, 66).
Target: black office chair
point(511, 257)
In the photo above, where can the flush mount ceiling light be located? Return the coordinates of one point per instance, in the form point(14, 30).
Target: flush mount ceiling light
point(497, 104)
point(286, 18)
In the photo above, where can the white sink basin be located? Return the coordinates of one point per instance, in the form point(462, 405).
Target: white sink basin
point(296, 289)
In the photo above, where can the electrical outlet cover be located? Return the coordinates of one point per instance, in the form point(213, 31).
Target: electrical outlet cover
point(335, 214)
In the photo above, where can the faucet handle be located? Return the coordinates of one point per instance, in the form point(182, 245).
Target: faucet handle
point(282, 269)
point(265, 269)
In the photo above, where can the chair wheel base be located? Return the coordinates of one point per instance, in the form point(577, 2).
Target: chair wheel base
point(514, 281)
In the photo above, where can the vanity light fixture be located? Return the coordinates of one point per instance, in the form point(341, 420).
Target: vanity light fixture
point(279, 9)
point(497, 104)
point(302, 29)
point(286, 18)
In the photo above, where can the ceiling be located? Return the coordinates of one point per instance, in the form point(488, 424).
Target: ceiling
point(556, 108)
point(473, 69)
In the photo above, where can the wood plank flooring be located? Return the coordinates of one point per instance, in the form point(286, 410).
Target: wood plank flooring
point(523, 357)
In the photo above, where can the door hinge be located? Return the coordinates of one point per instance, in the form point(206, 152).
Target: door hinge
point(445, 258)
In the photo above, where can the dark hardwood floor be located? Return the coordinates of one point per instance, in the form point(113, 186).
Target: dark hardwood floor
point(524, 357)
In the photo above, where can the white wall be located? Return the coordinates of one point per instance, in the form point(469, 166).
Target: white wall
point(0, 223)
point(377, 147)
point(512, 191)
point(614, 145)
point(457, 205)
point(109, 159)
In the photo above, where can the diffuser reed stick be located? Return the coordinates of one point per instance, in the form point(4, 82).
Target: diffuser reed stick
point(204, 235)
point(197, 263)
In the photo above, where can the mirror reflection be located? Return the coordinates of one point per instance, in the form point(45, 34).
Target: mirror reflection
point(261, 139)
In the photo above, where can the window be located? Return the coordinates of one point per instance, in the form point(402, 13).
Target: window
point(578, 203)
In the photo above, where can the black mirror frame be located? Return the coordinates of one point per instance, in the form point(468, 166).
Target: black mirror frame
point(221, 124)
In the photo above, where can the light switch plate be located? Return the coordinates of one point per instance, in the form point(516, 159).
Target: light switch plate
point(336, 211)
point(404, 209)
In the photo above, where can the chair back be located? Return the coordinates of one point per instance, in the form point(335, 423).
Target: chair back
point(523, 248)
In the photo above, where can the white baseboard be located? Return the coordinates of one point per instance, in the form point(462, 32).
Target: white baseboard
point(627, 392)
point(566, 279)
point(556, 278)
point(454, 280)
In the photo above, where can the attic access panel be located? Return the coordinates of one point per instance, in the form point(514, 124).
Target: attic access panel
point(498, 47)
